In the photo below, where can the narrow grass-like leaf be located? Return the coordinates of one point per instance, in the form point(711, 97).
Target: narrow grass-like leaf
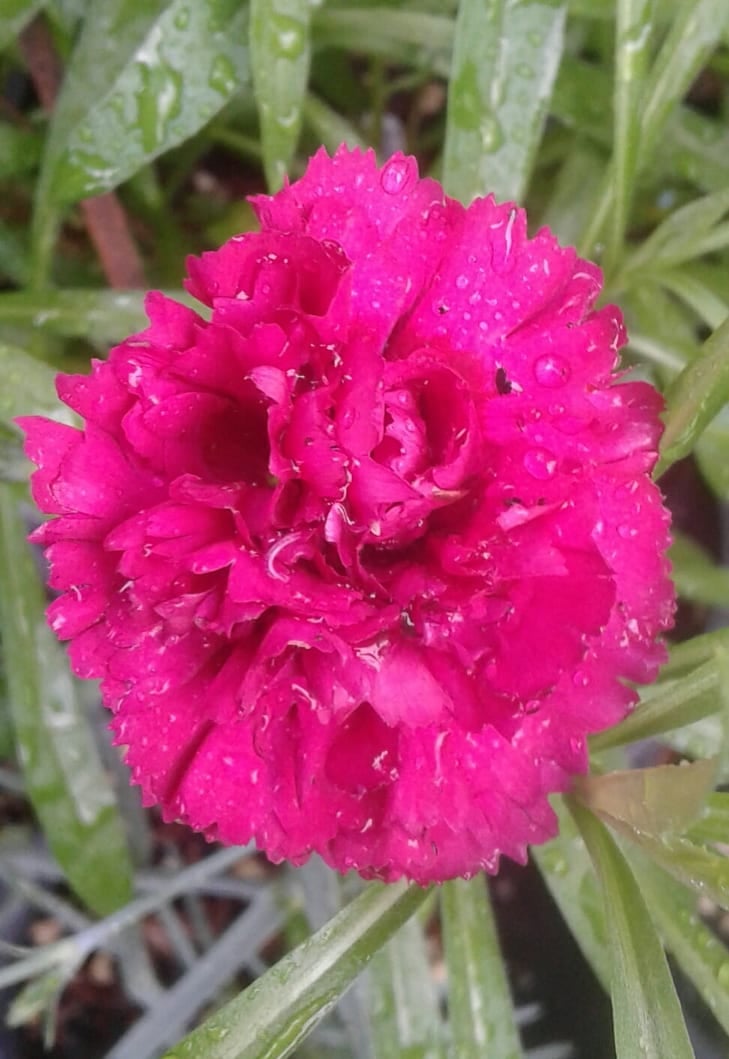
point(570, 877)
point(681, 235)
point(410, 38)
point(670, 704)
point(695, 31)
point(505, 59)
point(713, 823)
point(101, 316)
point(277, 1012)
point(699, 953)
point(647, 1018)
point(695, 397)
point(696, 575)
point(142, 79)
point(65, 779)
point(632, 54)
point(480, 1007)
point(573, 196)
point(28, 388)
point(14, 16)
point(688, 285)
point(405, 1018)
point(280, 59)
point(664, 798)
point(328, 126)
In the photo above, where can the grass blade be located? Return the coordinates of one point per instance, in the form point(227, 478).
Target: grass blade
point(695, 397)
point(479, 1002)
point(65, 779)
point(280, 61)
point(505, 60)
point(277, 1012)
point(647, 1018)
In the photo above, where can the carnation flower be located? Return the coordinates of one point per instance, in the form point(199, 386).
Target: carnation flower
point(364, 552)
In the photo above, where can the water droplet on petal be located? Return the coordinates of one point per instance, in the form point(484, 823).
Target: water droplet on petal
point(462, 281)
point(626, 532)
point(551, 371)
point(395, 176)
point(540, 464)
point(580, 678)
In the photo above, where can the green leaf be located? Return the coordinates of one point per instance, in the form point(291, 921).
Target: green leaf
point(405, 1018)
point(696, 575)
point(14, 16)
point(695, 397)
point(683, 235)
point(713, 823)
point(410, 38)
point(688, 285)
point(479, 1003)
point(632, 54)
point(142, 79)
point(280, 61)
point(699, 953)
point(101, 316)
point(65, 779)
point(505, 59)
point(275, 1013)
point(328, 126)
point(28, 388)
point(20, 150)
point(647, 1018)
point(670, 704)
point(570, 878)
point(650, 800)
point(696, 29)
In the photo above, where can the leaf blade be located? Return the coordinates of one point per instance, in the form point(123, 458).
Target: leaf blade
point(280, 47)
point(65, 779)
point(479, 1001)
point(274, 1014)
point(647, 1017)
point(505, 60)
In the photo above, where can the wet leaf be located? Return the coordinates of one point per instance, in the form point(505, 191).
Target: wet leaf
point(695, 398)
point(101, 316)
point(671, 704)
point(634, 38)
point(412, 38)
point(480, 1008)
point(665, 798)
point(28, 388)
point(505, 60)
point(65, 779)
point(404, 1006)
point(695, 573)
point(696, 29)
point(647, 1018)
point(142, 79)
point(699, 953)
point(686, 233)
point(280, 60)
point(567, 870)
point(274, 1014)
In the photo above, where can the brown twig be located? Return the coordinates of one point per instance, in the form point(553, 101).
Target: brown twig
point(103, 215)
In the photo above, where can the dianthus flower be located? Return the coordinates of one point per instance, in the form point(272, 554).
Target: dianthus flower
point(364, 554)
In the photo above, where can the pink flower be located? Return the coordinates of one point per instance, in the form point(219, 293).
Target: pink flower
point(362, 555)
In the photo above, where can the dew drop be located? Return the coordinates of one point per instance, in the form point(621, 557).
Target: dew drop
point(551, 371)
point(462, 281)
point(626, 532)
point(540, 464)
point(395, 176)
point(580, 678)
